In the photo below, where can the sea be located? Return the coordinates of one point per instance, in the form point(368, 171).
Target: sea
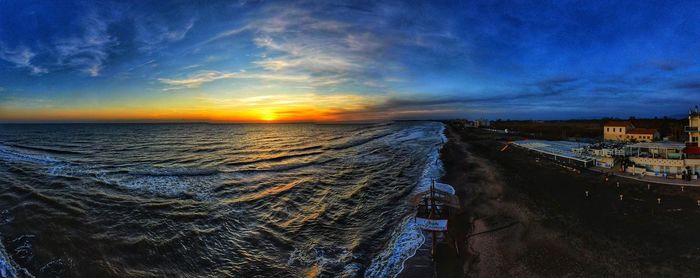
point(212, 200)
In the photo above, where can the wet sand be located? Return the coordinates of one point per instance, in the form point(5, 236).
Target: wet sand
point(529, 218)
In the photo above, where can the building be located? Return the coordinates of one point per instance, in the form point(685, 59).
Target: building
point(642, 135)
point(562, 152)
point(605, 153)
point(693, 130)
point(669, 159)
point(626, 131)
point(616, 130)
point(656, 158)
point(484, 122)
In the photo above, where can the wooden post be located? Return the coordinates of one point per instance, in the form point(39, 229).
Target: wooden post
point(457, 248)
point(433, 249)
point(433, 211)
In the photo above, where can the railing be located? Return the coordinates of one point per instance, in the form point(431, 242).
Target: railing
point(692, 128)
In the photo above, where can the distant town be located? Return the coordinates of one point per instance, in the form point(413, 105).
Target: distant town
point(663, 151)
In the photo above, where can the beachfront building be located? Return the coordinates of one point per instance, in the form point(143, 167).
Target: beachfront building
point(692, 146)
point(484, 122)
point(693, 130)
point(564, 152)
point(468, 124)
point(662, 159)
point(626, 131)
point(616, 130)
point(605, 153)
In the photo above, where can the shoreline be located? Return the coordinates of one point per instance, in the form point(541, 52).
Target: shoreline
point(529, 218)
point(449, 262)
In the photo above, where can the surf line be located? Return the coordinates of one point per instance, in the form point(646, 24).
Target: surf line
point(433, 209)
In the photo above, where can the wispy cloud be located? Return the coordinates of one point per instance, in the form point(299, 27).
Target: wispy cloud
point(299, 41)
point(153, 33)
point(88, 50)
point(202, 77)
point(21, 57)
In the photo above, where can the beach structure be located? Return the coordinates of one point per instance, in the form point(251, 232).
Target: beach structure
point(433, 209)
point(669, 159)
point(627, 132)
point(605, 153)
point(662, 159)
point(566, 152)
point(692, 149)
point(630, 149)
point(484, 122)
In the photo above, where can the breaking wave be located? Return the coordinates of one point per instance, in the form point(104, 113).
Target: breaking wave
point(250, 200)
point(408, 238)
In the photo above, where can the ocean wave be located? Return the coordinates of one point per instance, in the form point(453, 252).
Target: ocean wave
point(175, 172)
point(8, 268)
point(287, 167)
point(273, 159)
point(322, 258)
point(45, 149)
point(408, 238)
point(167, 183)
point(405, 244)
point(271, 191)
point(10, 154)
point(358, 142)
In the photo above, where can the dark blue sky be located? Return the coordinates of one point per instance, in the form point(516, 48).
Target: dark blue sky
point(342, 60)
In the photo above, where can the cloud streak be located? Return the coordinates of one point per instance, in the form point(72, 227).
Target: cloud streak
point(202, 77)
point(21, 57)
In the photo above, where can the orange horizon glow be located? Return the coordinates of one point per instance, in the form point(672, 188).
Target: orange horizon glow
point(260, 109)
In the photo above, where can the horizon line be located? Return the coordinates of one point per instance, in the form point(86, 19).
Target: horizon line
point(320, 122)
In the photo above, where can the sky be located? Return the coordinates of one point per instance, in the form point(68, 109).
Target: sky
point(328, 61)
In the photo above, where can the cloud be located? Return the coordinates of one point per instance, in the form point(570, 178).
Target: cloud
point(305, 41)
point(21, 57)
point(153, 32)
point(688, 85)
point(191, 66)
point(81, 42)
point(202, 77)
point(669, 65)
point(88, 50)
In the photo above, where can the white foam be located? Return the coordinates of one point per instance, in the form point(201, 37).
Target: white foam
point(7, 270)
point(317, 256)
point(408, 237)
point(403, 246)
point(13, 155)
point(164, 185)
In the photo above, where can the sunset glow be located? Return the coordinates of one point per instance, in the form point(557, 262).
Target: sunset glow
point(276, 61)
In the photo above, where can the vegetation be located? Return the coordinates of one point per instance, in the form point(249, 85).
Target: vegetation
point(593, 129)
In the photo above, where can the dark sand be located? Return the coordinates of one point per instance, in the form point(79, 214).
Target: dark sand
point(529, 218)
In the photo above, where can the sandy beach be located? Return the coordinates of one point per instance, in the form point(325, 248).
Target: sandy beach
point(526, 217)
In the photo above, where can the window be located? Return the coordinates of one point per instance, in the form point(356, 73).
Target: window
point(608, 129)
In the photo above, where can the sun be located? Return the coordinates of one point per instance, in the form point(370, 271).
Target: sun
point(268, 116)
